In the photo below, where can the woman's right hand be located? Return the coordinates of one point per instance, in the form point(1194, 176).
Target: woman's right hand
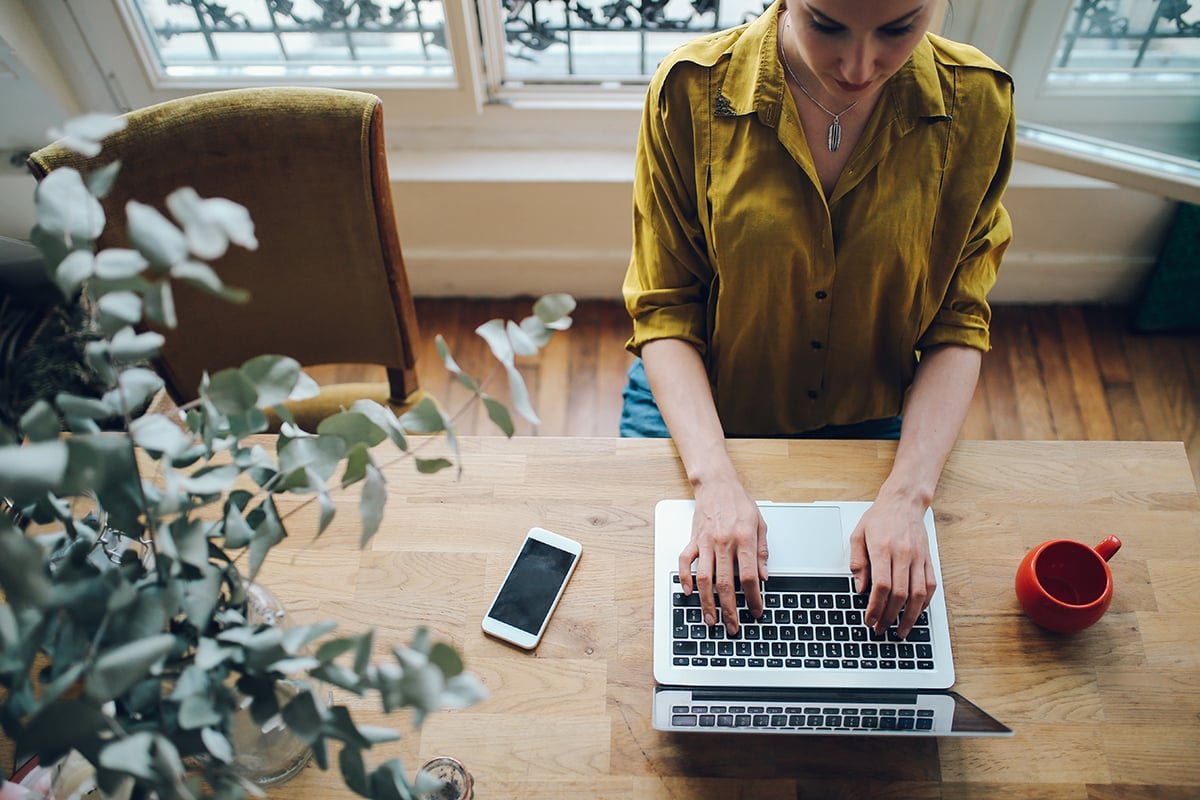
point(729, 539)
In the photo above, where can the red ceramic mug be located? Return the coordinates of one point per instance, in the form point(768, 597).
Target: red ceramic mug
point(1066, 586)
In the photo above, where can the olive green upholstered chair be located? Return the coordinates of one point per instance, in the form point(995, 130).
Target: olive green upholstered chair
point(327, 283)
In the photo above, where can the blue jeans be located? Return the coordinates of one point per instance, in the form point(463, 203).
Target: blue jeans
point(641, 419)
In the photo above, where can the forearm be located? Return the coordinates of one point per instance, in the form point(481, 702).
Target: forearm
point(680, 385)
point(933, 415)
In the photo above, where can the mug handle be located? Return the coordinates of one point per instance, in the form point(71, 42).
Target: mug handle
point(1108, 548)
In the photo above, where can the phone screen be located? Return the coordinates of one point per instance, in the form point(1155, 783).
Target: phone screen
point(531, 586)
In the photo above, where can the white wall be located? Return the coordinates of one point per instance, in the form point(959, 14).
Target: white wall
point(502, 223)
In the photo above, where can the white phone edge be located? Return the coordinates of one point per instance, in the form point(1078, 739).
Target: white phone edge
point(525, 639)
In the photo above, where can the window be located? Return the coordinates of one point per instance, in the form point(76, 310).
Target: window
point(538, 74)
point(1127, 71)
point(300, 39)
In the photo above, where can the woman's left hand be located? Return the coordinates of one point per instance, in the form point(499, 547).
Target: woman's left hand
point(889, 552)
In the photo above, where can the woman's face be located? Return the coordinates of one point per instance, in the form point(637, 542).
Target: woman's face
point(852, 47)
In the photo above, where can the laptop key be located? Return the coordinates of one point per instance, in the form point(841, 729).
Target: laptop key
point(887, 664)
point(679, 661)
point(924, 724)
point(808, 601)
point(699, 662)
point(794, 663)
point(924, 665)
point(684, 720)
point(685, 600)
point(707, 720)
point(686, 648)
point(725, 720)
point(698, 631)
point(812, 663)
point(918, 635)
point(708, 648)
point(774, 662)
point(741, 721)
point(755, 662)
point(761, 721)
point(779, 720)
point(737, 662)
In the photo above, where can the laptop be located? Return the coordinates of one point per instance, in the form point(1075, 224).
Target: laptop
point(809, 665)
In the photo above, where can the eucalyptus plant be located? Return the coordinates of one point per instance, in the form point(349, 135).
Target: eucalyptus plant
point(130, 540)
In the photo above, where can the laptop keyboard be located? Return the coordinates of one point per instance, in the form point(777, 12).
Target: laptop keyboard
point(808, 622)
point(807, 718)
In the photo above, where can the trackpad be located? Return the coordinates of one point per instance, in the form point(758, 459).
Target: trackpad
point(805, 539)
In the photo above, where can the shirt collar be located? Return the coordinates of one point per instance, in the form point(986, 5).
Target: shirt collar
point(754, 81)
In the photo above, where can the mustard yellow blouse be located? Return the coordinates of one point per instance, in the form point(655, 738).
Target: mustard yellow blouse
point(807, 310)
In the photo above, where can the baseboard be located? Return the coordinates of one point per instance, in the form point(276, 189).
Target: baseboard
point(594, 274)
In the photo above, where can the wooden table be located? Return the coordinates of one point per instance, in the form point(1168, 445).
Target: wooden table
point(1110, 712)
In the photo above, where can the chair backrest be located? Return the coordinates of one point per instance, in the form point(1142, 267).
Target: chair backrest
point(327, 283)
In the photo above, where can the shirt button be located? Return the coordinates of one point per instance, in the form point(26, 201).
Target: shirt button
point(815, 344)
point(821, 295)
point(812, 394)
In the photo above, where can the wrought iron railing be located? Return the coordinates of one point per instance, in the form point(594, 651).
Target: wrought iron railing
point(534, 28)
point(349, 29)
point(1099, 21)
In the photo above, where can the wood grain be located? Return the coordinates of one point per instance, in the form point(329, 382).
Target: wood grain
point(1108, 713)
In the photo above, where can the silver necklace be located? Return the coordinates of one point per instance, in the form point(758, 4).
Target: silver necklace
point(834, 140)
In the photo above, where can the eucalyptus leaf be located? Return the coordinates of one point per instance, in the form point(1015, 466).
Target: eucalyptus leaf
point(73, 270)
point(117, 263)
point(136, 386)
point(127, 346)
point(327, 509)
point(354, 773)
point(217, 745)
point(27, 471)
point(85, 407)
point(319, 453)
point(268, 533)
point(57, 728)
point(203, 277)
point(22, 571)
point(303, 717)
point(426, 784)
point(209, 480)
point(66, 208)
point(340, 725)
point(383, 417)
point(40, 422)
point(522, 343)
point(520, 394)
point(154, 236)
point(156, 433)
point(446, 659)
point(273, 378)
point(199, 598)
point(498, 413)
point(237, 532)
point(197, 711)
point(374, 496)
point(357, 459)
point(353, 427)
point(119, 668)
point(211, 224)
point(463, 690)
point(120, 309)
point(82, 134)
point(444, 352)
point(210, 653)
point(160, 304)
point(428, 466)
point(536, 330)
point(554, 310)
point(231, 392)
point(333, 648)
point(100, 181)
point(425, 417)
point(306, 388)
point(130, 755)
point(494, 333)
point(298, 636)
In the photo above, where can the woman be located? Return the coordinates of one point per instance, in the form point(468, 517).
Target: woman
point(817, 223)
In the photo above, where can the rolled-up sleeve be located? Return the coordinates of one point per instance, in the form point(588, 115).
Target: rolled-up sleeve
point(667, 284)
point(964, 316)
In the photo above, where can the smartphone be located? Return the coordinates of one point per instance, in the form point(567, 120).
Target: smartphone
point(532, 588)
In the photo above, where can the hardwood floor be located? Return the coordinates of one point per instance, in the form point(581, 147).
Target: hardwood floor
point(1055, 372)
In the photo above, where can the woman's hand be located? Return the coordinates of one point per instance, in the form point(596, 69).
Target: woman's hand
point(889, 552)
point(729, 538)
